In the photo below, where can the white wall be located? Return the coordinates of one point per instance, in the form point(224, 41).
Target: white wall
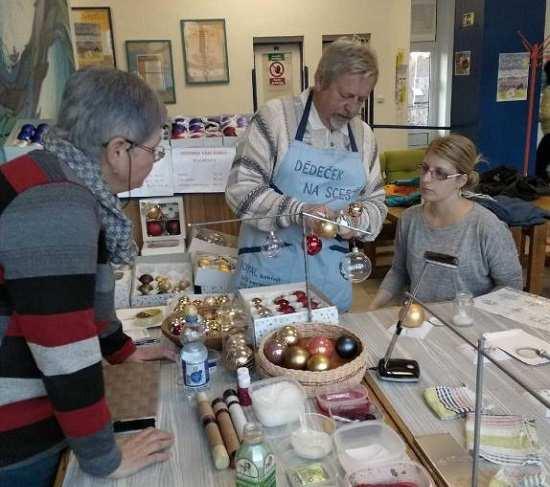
point(388, 22)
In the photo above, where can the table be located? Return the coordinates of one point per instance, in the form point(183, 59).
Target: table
point(531, 238)
point(440, 363)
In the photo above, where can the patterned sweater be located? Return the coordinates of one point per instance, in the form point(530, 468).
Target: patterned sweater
point(266, 142)
point(57, 318)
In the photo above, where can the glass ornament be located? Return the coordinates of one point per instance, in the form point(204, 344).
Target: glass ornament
point(313, 244)
point(272, 246)
point(355, 266)
point(344, 221)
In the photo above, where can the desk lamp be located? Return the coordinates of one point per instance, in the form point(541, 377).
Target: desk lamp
point(407, 370)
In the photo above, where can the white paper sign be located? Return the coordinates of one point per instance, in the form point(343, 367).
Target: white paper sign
point(201, 169)
point(159, 182)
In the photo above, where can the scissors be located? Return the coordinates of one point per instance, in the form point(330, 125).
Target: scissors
point(533, 352)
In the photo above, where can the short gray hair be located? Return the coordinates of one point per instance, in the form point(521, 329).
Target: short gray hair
point(101, 103)
point(346, 55)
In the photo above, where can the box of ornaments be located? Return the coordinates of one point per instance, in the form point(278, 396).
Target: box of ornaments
point(317, 355)
point(271, 307)
point(158, 278)
point(214, 273)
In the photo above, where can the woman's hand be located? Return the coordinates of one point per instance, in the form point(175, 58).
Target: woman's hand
point(155, 352)
point(141, 450)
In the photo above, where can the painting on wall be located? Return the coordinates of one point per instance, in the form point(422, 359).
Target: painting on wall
point(93, 37)
point(36, 59)
point(152, 61)
point(205, 51)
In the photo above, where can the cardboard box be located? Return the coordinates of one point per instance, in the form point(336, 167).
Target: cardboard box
point(176, 267)
point(12, 146)
point(210, 278)
point(209, 241)
point(325, 313)
point(162, 225)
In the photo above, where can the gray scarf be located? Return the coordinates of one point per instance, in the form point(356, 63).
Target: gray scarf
point(118, 227)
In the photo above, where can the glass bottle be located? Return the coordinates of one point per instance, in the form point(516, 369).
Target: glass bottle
point(194, 358)
point(255, 462)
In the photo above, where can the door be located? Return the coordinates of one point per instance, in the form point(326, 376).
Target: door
point(277, 68)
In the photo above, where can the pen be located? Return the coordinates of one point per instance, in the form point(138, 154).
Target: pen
point(146, 341)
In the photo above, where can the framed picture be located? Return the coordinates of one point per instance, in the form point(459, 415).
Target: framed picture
point(152, 61)
point(468, 19)
point(463, 61)
point(205, 51)
point(424, 21)
point(93, 37)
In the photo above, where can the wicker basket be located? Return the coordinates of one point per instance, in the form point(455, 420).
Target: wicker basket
point(349, 373)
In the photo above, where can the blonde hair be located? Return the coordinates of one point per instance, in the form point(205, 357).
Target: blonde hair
point(461, 152)
point(346, 55)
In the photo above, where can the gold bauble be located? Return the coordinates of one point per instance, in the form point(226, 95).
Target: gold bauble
point(222, 299)
point(224, 267)
point(318, 363)
point(256, 301)
point(234, 341)
point(204, 262)
point(415, 317)
point(296, 357)
point(355, 210)
point(288, 334)
point(210, 301)
point(154, 213)
point(239, 357)
point(197, 302)
point(184, 300)
point(265, 312)
point(182, 285)
point(328, 229)
point(164, 286)
point(208, 314)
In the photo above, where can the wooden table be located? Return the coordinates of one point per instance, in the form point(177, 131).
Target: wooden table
point(530, 242)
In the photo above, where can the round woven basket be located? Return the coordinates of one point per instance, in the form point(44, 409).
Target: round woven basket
point(348, 374)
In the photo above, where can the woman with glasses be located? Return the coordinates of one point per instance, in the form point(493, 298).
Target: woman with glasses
point(448, 223)
point(61, 225)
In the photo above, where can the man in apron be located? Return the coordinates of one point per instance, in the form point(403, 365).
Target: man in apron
point(309, 153)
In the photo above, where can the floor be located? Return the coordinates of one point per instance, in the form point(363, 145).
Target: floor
point(363, 293)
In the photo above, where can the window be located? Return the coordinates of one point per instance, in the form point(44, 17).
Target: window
point(419, 87)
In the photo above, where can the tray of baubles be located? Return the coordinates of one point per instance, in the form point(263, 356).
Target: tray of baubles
point(219, 315)
point(315, 354)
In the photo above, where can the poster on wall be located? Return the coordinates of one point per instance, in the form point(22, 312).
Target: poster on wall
point(423, 21)
point(463, 61)
point(201, 169)
point(277, 74)
point(93, 37)
point(513, 76)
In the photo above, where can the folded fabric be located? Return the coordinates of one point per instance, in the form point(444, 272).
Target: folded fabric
point(450, 402)
point(395, 189)
point(409, 200)
point(528, 476)
point(505, 439)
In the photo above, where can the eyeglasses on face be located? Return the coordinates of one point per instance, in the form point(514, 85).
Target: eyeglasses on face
point(437, 173)
point(158, 151)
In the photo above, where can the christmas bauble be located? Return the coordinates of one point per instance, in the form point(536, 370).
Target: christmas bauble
point(155, 213)
point(173, 227)
point(415, 317)
point(154, 228)
point(280, 301)
point(355, 210)
point(347, 347)
point(274, 350)
point(210, 301)
point(145, 289)
point(146, 279)
point(296, 357)
point(288, 334)
point(320, 345)
point(313, 244)
point(318, 363)
point(239, 357)
point(328, 229)
point(299, 295)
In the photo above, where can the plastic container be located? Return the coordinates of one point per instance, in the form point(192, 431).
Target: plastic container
point(308, 473)
point(394, 474)
point(346, 404)
point(366, 443)
point(312, 438)
point(277, 401)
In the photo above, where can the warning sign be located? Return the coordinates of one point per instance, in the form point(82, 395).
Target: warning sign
point(277, 78)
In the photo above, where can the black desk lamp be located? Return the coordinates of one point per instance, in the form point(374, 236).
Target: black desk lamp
point(407, 370)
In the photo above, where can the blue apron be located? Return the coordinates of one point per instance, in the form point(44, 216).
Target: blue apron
point(319, 176)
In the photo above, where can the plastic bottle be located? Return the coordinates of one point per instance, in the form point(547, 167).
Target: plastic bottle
point(255, 462)
point(243, 383)
point(194, 357)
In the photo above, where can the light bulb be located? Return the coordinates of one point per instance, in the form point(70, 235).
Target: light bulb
point(355, 266)
point(272, 246)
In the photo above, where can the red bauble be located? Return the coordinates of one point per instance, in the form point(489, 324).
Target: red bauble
point(299, 295)
point(154, 228)
point(287, 309)
point(280, 301)
point(322, 345)
point(176, 329)
point(173, 227)
point(313, 244)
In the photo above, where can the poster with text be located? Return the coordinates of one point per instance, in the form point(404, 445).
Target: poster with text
point(513, 76)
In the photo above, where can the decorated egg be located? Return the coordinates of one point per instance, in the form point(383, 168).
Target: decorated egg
point(296, 357)
point(318, 363)
point(347, 347)
point(320, 345)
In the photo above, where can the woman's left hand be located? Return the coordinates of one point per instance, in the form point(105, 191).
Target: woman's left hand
point(154, 352)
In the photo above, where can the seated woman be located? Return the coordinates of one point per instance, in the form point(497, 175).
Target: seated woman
point(448, 223)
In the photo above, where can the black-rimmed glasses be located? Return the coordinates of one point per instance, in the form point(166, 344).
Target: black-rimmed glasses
point(437, 173)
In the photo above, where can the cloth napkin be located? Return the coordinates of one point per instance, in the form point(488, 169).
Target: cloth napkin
point(450, 402)
point(505, 439)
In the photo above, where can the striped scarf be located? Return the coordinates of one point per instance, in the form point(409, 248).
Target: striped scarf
point(118, 228)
